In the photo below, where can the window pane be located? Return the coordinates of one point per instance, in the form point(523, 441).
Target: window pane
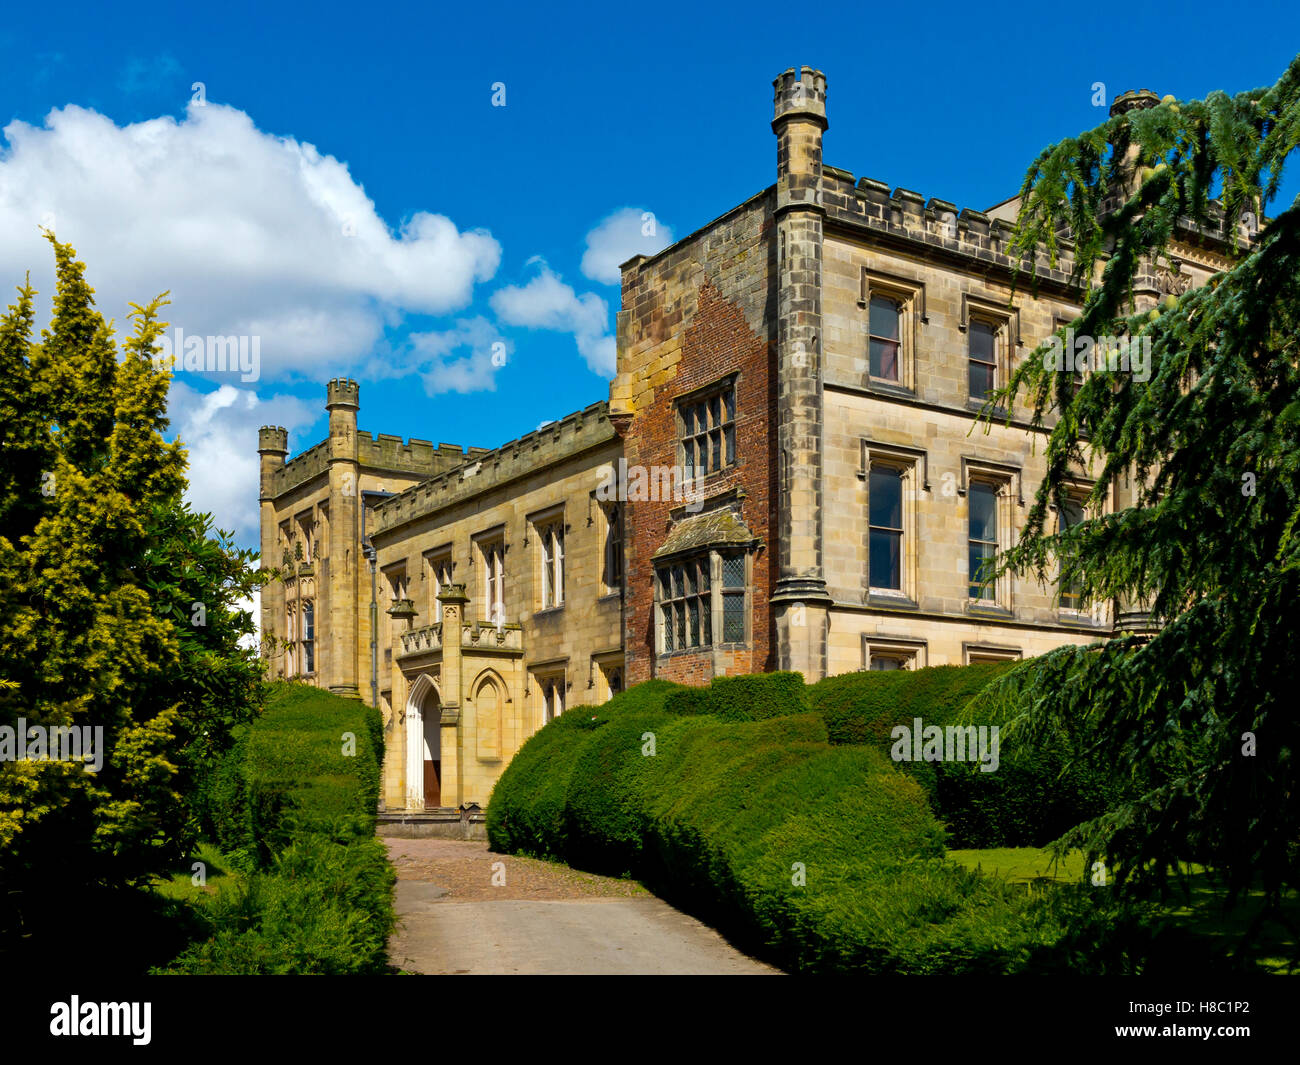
point(886, 563)
point(881, 663)
point(1071, 514)
point(883, 318)
point(733, 618)
point(715, 410)
point(981, 380)
point(983, 512)
point(679, 619)
point(884, 359)
point(666, 621)
point(679, 579)
point(980, 556)
point(706, 624)
point(733, 571)
point(885, 498)
point(981, 341)
point(730, 435)
point(690, 579)
point(695, 622)
point(704, 574)
point(715, 450)
point(729, 403)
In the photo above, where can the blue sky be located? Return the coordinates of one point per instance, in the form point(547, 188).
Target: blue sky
point(349, 195)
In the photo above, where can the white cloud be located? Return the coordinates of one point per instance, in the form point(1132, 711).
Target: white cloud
point(254, 234)
point(486, 353)
point(219, 430)
point(546, 302)
point(623, 234)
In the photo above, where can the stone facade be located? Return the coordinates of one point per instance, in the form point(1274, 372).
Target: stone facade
point(800, 482)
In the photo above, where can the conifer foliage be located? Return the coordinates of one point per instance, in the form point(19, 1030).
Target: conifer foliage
point(117, 611)
point(1203, 713)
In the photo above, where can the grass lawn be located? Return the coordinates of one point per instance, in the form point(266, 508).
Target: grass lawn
point(1199, 908)
point(217, 871)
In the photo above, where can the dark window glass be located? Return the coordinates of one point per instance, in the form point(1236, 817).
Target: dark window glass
point(982, 359)
point(885, 517)
point(982, 499)
point(883, 325)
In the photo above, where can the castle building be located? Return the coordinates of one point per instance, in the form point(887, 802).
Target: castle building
point(788, 474)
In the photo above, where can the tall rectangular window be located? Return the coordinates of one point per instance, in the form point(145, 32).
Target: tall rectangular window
point(982, 538)
point(612, 578)
point(708, 427)
point(885, 518)
point(983, 359)
point(494, 581)
point(686, 604)
point(1070, 515)
point(733, 598)
point(552, 537)
point(551, 688)
point(309, 637)
point(882, 321)
point(291, 638)
point(439, 579)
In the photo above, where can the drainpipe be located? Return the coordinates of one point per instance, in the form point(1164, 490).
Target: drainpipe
point(371, 555)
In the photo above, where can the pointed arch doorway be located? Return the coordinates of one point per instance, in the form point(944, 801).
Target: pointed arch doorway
point(423, 747)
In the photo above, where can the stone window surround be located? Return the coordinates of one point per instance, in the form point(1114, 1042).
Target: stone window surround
point(910, 295)
point(914, 464)
point(1007, 479)
point(916, 652)
point(1079, 489)
point(439, 559)
point(545, 680)
point(540, 527)
point(987, 652)
point(610, 529)
point(482, 543)
point(1005, 321)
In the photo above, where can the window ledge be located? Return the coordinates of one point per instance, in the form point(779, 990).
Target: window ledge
point(889, 388)
point(898, 602)
point(978, 405)
point(988, 610)
point(546, 612)
point(609, 597)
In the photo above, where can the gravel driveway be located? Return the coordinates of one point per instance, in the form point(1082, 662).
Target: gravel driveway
point(463, 910)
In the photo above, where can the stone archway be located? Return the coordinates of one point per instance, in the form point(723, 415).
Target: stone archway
point(423, 746)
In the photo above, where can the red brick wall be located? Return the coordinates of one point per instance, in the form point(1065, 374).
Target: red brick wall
point(704, 300)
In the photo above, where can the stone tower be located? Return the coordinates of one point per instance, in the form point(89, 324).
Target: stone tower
point(342, 401)
point(799, 598)
point(272, 450)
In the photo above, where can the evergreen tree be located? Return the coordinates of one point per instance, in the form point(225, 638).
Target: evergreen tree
point(1199, 715)
point(117, 610)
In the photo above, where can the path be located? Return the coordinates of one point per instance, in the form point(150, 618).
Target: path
point(544, 919)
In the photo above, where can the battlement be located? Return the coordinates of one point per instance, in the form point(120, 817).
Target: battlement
point(1133, 100)
point(484, 469)
point(342, 392)
point(273, 440)
point(802, 93)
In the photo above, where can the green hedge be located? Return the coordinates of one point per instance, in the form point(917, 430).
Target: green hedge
point(294, 804)
point(1037, 792)
point(754, 697)
point(722, 815)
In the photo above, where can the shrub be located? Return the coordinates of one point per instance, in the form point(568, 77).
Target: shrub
point(298, 815)
point(1039, 790)
point(728, 816)
point(753, 697)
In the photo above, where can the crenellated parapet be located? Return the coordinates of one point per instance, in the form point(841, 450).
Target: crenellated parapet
point(483, 470)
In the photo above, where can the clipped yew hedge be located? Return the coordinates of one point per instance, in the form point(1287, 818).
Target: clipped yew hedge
point(823, 858)
point(1039, 790)
point(294, 805)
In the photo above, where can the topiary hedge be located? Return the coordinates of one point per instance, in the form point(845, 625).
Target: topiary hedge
point(753, 697)
point(1038, 791)
point(294, 803)
point(823, 858)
